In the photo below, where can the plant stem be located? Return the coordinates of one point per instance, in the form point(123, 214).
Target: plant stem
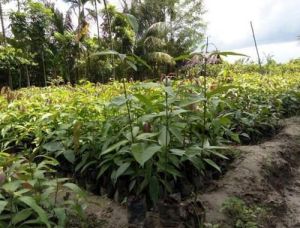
point(205, 92)
point(56, 191)
point(128, 110)
point(167, 131)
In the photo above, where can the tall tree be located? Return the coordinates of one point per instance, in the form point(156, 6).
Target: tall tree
point(39, 19)
point(10, 82)
point(20, 29)
point(82, 22)
point(182, 17)
point(95, 13)
point(108, 27)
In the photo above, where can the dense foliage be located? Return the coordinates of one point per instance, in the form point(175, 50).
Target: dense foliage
point(117, 140)
point(42, 44)
point(30, 197)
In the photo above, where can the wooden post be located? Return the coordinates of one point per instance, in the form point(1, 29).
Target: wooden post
point(257, 52)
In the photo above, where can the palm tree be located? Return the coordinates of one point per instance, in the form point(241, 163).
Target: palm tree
point(83, 25)
point(97, 18)
point(80, 5)
point(153, 42)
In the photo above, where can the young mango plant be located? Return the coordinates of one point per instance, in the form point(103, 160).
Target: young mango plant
point(30, 195)
point(153, 150)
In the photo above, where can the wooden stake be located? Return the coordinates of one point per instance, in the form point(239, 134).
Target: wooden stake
point(257, 52)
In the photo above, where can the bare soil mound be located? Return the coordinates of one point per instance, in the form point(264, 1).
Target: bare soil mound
point(267, 174)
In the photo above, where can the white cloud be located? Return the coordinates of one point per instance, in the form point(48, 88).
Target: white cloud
point(281, 52)
point(275, 21)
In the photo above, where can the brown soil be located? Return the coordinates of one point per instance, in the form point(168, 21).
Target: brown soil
point(108, 213)
point(267, 174)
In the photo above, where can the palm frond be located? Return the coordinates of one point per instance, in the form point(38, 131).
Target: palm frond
point(68, 21)
point(161, 58)
point(133, 22)
point(154, 42)
point(158, 29)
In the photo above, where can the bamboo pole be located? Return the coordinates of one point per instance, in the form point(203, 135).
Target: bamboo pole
point(255, 43)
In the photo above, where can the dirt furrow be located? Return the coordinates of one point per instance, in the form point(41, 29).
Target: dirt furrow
point(267, 175)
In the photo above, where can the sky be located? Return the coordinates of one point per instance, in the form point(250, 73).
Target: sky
point(276, 25)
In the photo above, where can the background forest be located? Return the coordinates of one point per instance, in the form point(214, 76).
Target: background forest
point(42, 43)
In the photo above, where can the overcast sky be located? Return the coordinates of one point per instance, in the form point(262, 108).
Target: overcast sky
point(276, 24)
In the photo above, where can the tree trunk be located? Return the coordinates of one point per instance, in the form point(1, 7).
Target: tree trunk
point(44, 68)
point(97, 21)
point(110, 38)
point(2, 24)
point(5, 43)
point(27, 76)
point(19, 5)
point(79, 18)
point(10, 82)
point(20, 77)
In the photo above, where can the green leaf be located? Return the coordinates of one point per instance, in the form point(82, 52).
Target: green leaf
point(213, 164)
point(169, 90)
point(11, 186)
point(132, 65)
point(133, 22)
point(109, 52)
point(60, 213)
point(161, 58)
point(119, 101)
point(3, 204)
point(178, 112)
point(235, 137)
point(141, 61)
point(53, 146)
point(114, 147)
point(169, 169)
point(135, 131)
point(218, 154)
point(192, 101)
point(164, 137)
point(154, 189)
point(122, 169)
point(69, 155)
point(145, 136)
point(46, 116)
point(131, 185)
point(245, 135)
point(21, 216)
point(178, 152)
point(197, 162)
point(167, 185)
point(225, 121)
point(87, 165)
point(103, 168)
point(142, 154)
point(227, 53)
point(148, 85)
point(145, 100)
point(75, 189)
point(176, 132)
point(29, 201)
